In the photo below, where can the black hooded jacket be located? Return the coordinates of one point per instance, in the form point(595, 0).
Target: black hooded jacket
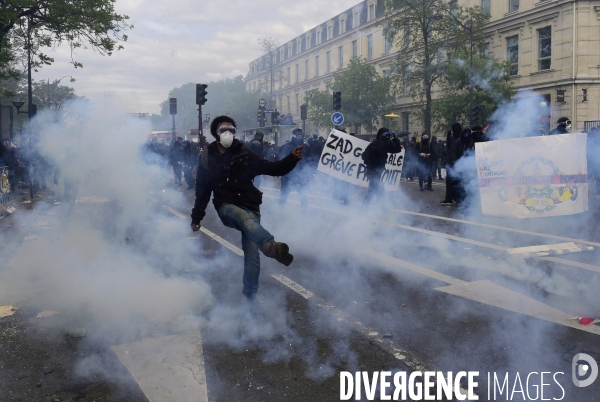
point(229, 176)
point(375, 155)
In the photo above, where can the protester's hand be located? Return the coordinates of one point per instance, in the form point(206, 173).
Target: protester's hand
point(195, 227)
point(297, 152)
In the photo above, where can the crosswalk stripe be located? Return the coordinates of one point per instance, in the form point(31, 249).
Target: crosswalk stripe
point(558, 260)
point(167, 369)
point(486, 292)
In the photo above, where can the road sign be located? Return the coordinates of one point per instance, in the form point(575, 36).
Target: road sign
point(337, 118)
point(262, 103)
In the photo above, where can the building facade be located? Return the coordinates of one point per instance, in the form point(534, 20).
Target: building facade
point(553, 47)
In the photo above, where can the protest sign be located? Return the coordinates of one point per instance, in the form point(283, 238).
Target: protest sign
point(533, 177)
point(341, 158)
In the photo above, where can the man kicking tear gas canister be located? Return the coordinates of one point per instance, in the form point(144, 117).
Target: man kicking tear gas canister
point(226, 169)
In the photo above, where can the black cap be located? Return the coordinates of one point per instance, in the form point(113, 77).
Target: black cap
point(563, 120)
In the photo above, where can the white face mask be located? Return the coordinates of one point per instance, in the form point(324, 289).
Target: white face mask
point(226, 138)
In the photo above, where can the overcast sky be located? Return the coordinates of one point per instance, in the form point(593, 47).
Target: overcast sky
point(179, 41)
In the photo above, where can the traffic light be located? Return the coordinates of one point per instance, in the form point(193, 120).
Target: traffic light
point(201, 94)
point(475, 110)
point(260, 117)
point(303, 114)
point(173, 106)
point(337, 101)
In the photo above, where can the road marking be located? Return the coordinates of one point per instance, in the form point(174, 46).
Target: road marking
point(167, 369)
point(485, 225)
point(497, 296)
point(212, 235)
point(489, 293)
point(549, 249)
point(391, 263)
point(563, 261)
point(412, 361)
point(486, 292)
point(505, 228)
point(412, 228)
point(174, 212)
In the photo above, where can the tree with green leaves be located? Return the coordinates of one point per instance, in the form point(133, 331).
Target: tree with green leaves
point(365, 97)
point(78, 23)
point(31, 25)
point(426, 34)
point(491, 88)
point(45, 94)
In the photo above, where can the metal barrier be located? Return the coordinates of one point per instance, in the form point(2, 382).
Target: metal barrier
point(588, 125)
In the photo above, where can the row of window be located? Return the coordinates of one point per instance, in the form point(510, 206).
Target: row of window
point(328, 59)
point(544, 50)
point(512, 46)
point(305, 43)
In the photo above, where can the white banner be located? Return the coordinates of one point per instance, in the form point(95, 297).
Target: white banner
point(533, 177)
point(341, 158)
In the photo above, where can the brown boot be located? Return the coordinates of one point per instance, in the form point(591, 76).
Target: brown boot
point(279, 251)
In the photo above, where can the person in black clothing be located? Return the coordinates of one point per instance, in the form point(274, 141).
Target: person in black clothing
point(453, 145)
point(411, 155)
point(176, 157)
point(427, 156)
point(256, 146)
point(226, 170)
point(563, 125)
point(300, 176)
point(463, 146)
point(436, 170)
point(275, 118)
point(189, 158)
point(375, 157)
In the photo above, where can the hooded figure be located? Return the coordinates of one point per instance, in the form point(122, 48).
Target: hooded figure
point(453, 145)
point(426, 158)
point(563, 126)
point(176, 158)
point(226, 170)
point(374, 157)
point(256, 146)
point(300, 176)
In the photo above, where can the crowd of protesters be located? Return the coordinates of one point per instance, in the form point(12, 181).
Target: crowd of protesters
point(25, 166)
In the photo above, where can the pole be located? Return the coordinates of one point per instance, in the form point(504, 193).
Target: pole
point(471, 76)
point(200, 127)
point(29, 105)
point(29, 87)
point(173, 127)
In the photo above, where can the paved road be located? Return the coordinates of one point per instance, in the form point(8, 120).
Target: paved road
point(414, 286)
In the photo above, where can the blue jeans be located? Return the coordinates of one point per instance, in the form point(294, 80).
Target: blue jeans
point(254, 236)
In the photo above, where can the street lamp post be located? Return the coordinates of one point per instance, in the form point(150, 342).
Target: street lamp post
point(437, 16)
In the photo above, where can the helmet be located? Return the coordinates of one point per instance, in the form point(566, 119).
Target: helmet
point(564, 122)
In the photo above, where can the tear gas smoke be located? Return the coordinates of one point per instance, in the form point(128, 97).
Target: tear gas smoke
point(85, 269)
